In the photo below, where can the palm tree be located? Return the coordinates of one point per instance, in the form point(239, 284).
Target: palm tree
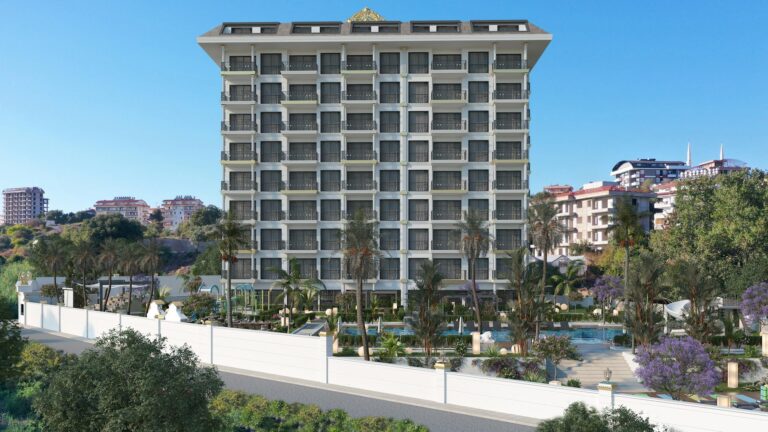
point(231, 238)
point(568, 281)
point(130, 264)
point(546, 232)
point(691, 281)
point(646, 287)
point(627, 229)
point(109, 260)
point(51, 255)
point(151, 260)
point(475, 242)
point(427, 327)
point(84, 258)
point(525, 306)
point(360, 245)
point(292, 283)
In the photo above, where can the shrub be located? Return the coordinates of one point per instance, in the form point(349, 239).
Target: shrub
point(678, 366)
point(461, 348)
point(752, 351)
point(198, 305)
point(502, 367)
point(621, 340)
point(573, 382)
point(579, 418)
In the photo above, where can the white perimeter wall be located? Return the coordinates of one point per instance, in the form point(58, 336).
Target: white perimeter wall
point(309, 358)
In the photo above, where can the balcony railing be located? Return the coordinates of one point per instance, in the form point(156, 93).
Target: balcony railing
point(511, 94)
point(449, 65)
point(478, 185)
point(273, 156)
point(302, 215)
point(238, 156)
point(299, 126)
point(302, 155)
point(242, 273)
point(418, 97)
point(390, 186)
point(478, 126)
point(510, 64)
point(418, 127)
point(481, 213)
point(419, 186)
point(272, 98)
point(358, 66)
point(330, 156)
point(446, 215)
point(508, 245)
point(300, 66)
point(273, 215)
point(418, 215)
point(360, 126)
point(390, 127)
point(452, 95)
point(330, 186)
point(302, 245)
point(272, 244)
point(299, 96)
point(390, 156)
point(390, 245)
point(364, 186)
point(365, 155)
point(272, 127)
point(249, 126)
point(239, 186)
point(390, 98)
point(239, 67)
point(510, 185)
point(448, 155)
point(330, 215)
point(239, 97)
point(359, 96)
point(245, 215)
point(478, 156)
point(302, 186)
point(517, 124)
point(369, 214)
point(390, 215)
point(449, 185)
point(418, 245)
point(508, 214)
point(510, 154)
point(453, 125)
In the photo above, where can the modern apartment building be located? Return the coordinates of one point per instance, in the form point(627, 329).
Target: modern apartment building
point(587, 212)
point(177, 210)
point(636, 173)
point(23, 204)
point(410, 122)
point(129, 207)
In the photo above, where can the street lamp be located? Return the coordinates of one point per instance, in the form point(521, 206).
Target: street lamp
point(607, 374)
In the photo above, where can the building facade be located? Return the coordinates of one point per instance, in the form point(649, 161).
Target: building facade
point(646, 172)
point(130, 207)
point(410, 122)
point(23, 204)
point(587, 213)
point(177, 210)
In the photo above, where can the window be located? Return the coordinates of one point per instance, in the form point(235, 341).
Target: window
point(446, 151)
point(390, 63)
point(360, 62)
point(450, 268)
point(302, 122)
point(330, 268)
point(418, 181)
point(418, 239)
point(418, 151)
point(241, 210)
point(509, 120)
point(418, 92)
point(359, 121)
point(240, 63)
point(271, 210)
point(478, 151)
point(509, 61)
point(359, 151)
point(446, 61)
point(302, 239)
point(330, 239)
point(390, 92)
point(446, 180)
point(446, 121)
point(478, 91)
point(302, 210)
point(389, 239)
point(271, 64)
point(330, 181)
point(240, 180)
point(390, 269)
point(302, 151)
point(446, 92)
point(359, 180)
point(271, 122)
point(330, 122)
point(478, 62)
point(446, 210)
point(271, 181)
point(481, 269)
point(418, 121)
point(390, 209)
point(509, 180)
point(478, 121)
point(359, 92)
point(240, 122)
point(330, 151)
point(507, 150)
point(302, 63)
point(270, 151)
point(509, 91)
point(240, 93)
point(390, 121)
point(508, 239)
point(271, 93)
point(478, 180)
point(414, 267)
point(330, 210)
point(390, 151)
point(353, 207)
point(330, 92)
point(390, 180)
point(418, 210)
point(418, 63)
point(240, 151)
point(509, 209)
point(479, 207)
point(309, 28)
point(271, 239)
point(302, 180)
point(270, 267)
point(242, 270)
point(330, 63)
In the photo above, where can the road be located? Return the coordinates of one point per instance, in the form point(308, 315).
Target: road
point(438, 418)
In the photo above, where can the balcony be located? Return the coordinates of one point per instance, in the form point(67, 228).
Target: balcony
point(272, 216)
point(478, 185)
point(300, 128)
point(510, 66)
point(510, 156)
point(302, 215)
point(366, 157)
point(390, 215)
point(418, 245)
point(299, 98)
point(359, 127)
point(238, 98)
point(449, 186)
point(510, 97)
point(447, 68)
point(239, 68)
point(239, 128)
point(298, 68)
point(300, 188)
point(238, 158)
point(450, 127)
point(302, 245)
point(330, 215)
point(301, 158)
point(449, 97)
point(446, 244)
point(272, 186)
point(444, 215)
point(359, 97)
point(517, 125)
point(368, 213)
point(248, 187)
point(362, 187)
point(511, 186)
point(448, 157)
point(363, 68)
point(273, 245)
point(509, 215)
point(418, 127)
point(246, 216)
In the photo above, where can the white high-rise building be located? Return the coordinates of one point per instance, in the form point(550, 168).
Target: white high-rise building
point(410, 122)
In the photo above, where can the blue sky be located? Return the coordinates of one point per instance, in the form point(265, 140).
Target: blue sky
point(99, 99)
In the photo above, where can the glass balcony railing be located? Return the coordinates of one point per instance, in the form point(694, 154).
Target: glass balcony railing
point(299, 126)
point(239, 97)
point(457, 125)
point(450, 154)
point(518, 94)
point(510, 184)
point(248, 126)
point(359, 96)
point(302, 215)
point(358, 66)
point(516, 124)
point(368, 125)
point(299, 96)
point(302, 155)
point(238, 67)
point(239, 186)
point(300, 66)
point(238, 156)
point(363, 186)
point(449, 185)
point(302, 186)
point(452, 95)
point(511, 64)
point(449, 65)
point(364, 155)
point(446, 215)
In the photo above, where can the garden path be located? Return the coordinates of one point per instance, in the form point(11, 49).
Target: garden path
point(591, 369)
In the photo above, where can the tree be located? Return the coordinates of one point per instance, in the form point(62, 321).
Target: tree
point(526, 307)
point(114, 226)
point(428, 324)
point(49, 255)
point(754, 303)
point(677, 366)
point(130, 382)
point(579, 418)
point(626, 230)
point(567, 282)
point(475, 242)
point(84, 258)
point(230, 237)
point(109, 260)
point(360, 246)
point(690, 281)
point(11, 346)
point(131, 255)
point(391, 348)
point(608, 288)
point(209, 215)
point(292, 283)
point(556, 349)
point(546, 231)
point(151, 260)
point(645, 289)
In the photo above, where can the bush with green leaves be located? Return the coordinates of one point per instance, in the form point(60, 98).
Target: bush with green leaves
point(580, 418)
point(391, 348)
point(11, 347)
point(199, 305)
point(573, 382)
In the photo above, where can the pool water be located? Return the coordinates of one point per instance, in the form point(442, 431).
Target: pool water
point(578, 335)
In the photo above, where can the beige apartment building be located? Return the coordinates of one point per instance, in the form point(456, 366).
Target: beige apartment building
point(180, 209)
point(129, 207)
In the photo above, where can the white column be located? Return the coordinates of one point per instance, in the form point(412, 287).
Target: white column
point(604, 395)
point(441, 384)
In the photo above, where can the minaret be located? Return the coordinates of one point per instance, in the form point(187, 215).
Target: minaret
point(722, 152)
point(688, 156)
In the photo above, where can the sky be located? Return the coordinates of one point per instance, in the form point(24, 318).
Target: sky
point(109, 98)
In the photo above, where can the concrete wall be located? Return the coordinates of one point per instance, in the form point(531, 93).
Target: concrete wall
point(309, 358)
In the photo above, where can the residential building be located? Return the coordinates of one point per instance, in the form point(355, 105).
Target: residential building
point(177, 210)
point(646, 172)
point(23, 204)
point(587, 213)
point(410, 122)
point(665, 203)
point(129, 207)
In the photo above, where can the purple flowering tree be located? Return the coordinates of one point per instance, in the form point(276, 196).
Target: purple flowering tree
point(607, 288)
point(754, 303)
point(677, 366)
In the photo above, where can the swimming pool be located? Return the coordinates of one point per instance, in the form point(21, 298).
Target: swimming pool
point(577, 335)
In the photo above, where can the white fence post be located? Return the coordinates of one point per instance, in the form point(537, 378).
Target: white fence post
point(442, 382)
point(26, 312)
point(87, 324)
point(59, 318)
point(328, 352)
point(605, 395)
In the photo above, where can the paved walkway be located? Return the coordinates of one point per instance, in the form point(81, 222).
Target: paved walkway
point(437, 417)
point(591, 369)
